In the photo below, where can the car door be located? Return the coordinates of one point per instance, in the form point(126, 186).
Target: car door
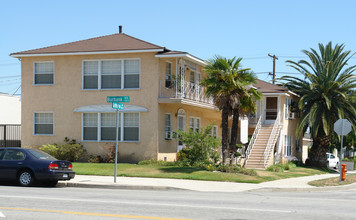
point(11, 161)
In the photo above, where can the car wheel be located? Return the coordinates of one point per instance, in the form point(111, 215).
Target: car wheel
point(52, 183)
point(25, 178)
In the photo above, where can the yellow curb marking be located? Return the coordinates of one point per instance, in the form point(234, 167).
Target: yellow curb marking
point(94, 214)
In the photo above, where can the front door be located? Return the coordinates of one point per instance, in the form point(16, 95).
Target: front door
point(271, 109)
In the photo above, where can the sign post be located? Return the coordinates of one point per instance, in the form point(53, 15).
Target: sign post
point(118, 106)
point(342, 127)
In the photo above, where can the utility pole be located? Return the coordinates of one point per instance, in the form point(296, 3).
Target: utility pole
point(274, 67)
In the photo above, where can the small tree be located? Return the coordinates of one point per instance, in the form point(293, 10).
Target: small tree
point(201, 146)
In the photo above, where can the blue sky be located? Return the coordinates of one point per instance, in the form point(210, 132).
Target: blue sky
point(248, 29)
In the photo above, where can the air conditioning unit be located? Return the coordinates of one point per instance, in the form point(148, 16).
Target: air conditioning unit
point(168, 135)
point(291, 115)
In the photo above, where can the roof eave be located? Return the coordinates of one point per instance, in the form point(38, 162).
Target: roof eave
point(19, 55)
point(184, 55)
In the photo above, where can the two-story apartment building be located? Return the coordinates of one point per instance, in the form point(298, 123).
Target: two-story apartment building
point(65, 89)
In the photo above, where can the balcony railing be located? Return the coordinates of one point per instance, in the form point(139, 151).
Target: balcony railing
point(184, 90)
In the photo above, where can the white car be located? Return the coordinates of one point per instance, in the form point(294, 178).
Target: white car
point(333, 162)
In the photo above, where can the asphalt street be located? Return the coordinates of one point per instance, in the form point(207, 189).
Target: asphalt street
point(82, 203)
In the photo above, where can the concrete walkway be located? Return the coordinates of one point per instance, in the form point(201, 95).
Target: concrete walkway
point(290, 184)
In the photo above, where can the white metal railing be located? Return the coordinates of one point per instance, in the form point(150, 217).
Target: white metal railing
point(253, 138)
point(272, 138)
point(185, 90)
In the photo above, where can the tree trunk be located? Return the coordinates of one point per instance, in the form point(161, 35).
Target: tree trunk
point(234, 128)
point(318, 152)
point(224, 133)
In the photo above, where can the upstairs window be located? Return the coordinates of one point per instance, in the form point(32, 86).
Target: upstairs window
point(168, 75)
point(111, 74)
point(43, 73)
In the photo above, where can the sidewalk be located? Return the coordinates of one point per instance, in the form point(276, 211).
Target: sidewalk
point(138, 183)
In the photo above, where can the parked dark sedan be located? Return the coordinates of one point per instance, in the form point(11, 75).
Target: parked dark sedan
point(30, 165)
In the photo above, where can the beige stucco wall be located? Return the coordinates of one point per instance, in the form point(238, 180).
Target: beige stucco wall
point(289, 125)
point(168, 147)
point(66, 95)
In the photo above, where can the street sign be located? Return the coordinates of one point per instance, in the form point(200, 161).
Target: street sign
point(342, 127)
point(116, 105)
point(118, 99)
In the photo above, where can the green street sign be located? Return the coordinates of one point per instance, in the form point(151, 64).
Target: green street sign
point(118, 99)
point(116, 105)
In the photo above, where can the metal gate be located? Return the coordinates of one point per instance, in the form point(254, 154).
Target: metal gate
point(10, 135)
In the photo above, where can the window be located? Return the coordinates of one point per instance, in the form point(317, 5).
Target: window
point(168, 126)
point(2, 152)
point(102, 126)
point(131, 126)
point(111, 74)
point(298, 147)
point(132, 74)
point(108, 126)
point(14, 154)
point(43, 73)
point(287, 107)
point(194, 124)
point(43, 123)
point(168, 75)
point(90, 126)
point(214, 131)
point(287, 145)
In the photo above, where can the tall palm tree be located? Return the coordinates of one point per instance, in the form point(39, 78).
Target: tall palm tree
point(227, 83)
point(327, 94)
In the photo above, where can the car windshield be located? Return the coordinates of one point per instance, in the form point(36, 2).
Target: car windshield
point(41, 155)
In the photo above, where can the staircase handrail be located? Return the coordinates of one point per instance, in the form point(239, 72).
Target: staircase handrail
point(272, 138)
point(253, 138)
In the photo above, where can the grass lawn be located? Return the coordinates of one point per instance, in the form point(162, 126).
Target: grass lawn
point(334, 181)
point(175, 172)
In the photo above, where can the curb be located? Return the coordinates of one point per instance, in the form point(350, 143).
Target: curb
point(111, 186)
point(311, 189)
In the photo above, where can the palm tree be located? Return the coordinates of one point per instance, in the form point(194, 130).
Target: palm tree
point(327, 94)
point(227, 83)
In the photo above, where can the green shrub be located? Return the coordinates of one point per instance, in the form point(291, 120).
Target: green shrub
point(157, 162)
point(281, 167)
point(70, 150)
point(276, 168)
point(201, 146)
point(51, 149)
point(235, 169)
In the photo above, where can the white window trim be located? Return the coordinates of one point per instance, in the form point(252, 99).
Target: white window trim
point(34, 73)
point(34, 123)
point(122, 74)
point(121, 125)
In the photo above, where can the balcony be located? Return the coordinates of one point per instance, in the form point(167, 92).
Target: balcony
point(185, 92)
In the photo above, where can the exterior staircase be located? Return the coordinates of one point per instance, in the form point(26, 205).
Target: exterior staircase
point(256, 157)
point(261, 148)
